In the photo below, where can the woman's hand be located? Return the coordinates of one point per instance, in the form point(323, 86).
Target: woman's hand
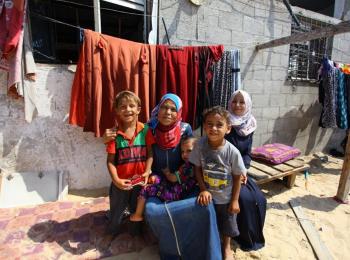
point(109, 135)
point(204, 198)
point(233, 208)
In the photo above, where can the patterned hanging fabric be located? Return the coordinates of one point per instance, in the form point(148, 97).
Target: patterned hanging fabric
point(342, 111)
point(235, 69)
point(347, 94)
point(330, 82)
point(222, 81)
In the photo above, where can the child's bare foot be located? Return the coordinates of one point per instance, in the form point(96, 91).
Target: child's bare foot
point(135, 218)
point(228, 254)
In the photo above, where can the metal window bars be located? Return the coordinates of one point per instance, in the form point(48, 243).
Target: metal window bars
point(305, 57)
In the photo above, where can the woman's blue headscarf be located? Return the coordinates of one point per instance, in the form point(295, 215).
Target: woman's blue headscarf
point(153, 122)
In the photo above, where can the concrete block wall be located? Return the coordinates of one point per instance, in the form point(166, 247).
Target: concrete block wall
point(286, 112)
point(49, 143)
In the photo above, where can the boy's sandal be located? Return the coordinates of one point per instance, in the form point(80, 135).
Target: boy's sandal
point(135, 227)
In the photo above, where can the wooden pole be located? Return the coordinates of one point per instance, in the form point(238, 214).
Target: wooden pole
point(344, 181)
point(328, 31)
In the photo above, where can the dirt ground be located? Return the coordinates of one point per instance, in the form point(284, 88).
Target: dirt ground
point(285, 239)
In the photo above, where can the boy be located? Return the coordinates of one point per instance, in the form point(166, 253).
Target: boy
point(218, 169)
point(128, 155)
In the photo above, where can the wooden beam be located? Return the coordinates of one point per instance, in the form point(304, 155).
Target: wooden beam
point(311, 233)
point(344, 181)
point(328, 31)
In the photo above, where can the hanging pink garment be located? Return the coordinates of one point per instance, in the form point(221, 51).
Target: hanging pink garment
point(11, 24)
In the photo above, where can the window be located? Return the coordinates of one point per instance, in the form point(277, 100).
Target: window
point(325, 7)
point(58, 43)
point(305, 57)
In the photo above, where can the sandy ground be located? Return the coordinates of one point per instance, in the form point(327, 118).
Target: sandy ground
point(284, 236)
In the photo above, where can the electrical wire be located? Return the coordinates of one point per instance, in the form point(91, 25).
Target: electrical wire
point(55, 21)
point(106, 9)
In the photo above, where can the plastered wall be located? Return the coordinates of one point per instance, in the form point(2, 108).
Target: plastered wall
point(49, 143)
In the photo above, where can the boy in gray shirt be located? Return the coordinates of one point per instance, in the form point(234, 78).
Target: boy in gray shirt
point(218, 169)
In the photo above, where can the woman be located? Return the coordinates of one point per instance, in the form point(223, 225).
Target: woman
point(252, 202)
point(183, 228)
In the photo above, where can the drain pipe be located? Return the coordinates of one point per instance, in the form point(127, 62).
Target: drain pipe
point(97, 15)
point(287, 4)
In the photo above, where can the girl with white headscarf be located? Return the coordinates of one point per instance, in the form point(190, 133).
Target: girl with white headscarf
point(240, 107)
point(252, 202)
point(243, 124)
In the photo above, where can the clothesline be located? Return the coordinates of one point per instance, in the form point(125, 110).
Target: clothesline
point(113, 10)
point(81, 28)
point(56, 21)
point(106, 9)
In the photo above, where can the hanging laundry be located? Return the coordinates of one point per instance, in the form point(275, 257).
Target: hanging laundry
point(222, 82)
point(342, 112)
point(236, 69)
point(208, 55)
point(178, 72)
point(328, 86)
point(345, 68)
point(106, 66)
point(11, 21)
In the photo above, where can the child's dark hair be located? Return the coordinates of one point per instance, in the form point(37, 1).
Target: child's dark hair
point(217, 110)
point(127, 95)
point(187, 138)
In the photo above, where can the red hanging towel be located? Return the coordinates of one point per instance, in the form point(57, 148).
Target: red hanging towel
point(178, 73)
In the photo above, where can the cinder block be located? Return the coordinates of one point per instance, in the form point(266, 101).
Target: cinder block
point(186, 31)
point(253, 26)
point(254, 86)
point(257, 112)
point(260, 100)
point(218, 36)
point(229, 21)
point(278, 100)
point(271, 112)
point(272, 29)
point(278, 73)
point(262, 126)
point(295, 100)
point(244, 8)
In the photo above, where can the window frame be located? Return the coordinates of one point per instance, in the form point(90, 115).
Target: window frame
point(305, 57)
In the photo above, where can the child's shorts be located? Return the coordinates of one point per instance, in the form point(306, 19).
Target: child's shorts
point(227, 223)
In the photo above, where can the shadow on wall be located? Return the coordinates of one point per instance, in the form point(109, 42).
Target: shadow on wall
point(173, 26)
point(288, 127)
point(336, 139)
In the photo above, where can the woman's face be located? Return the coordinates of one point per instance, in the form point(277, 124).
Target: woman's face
point(238, 105)
point(167, 114)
